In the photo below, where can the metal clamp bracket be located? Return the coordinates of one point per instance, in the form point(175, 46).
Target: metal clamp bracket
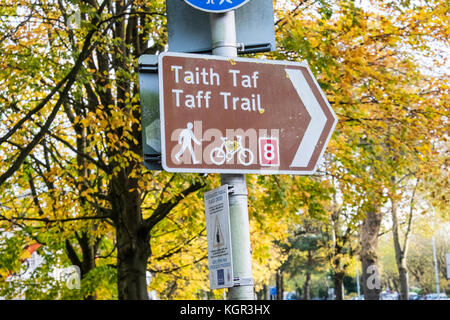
point(150, 65)
point(243, 281)
point(237, 190)
point(221, 44)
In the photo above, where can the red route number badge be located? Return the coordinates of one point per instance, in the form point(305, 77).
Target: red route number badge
point(269, 153)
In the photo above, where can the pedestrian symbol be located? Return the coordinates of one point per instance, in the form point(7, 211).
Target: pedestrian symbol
point(186, 138)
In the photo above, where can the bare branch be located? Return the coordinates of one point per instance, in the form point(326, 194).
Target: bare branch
point(46, 220)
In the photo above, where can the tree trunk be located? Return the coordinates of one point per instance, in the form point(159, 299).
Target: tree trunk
point(88, 249)
point(133, 251)
point(264, 293)
point(400, 254)
point(339, 285)
point(133, 239)
point(369, 242)
point(280, 285)
point(307, 286)
point(404, 280)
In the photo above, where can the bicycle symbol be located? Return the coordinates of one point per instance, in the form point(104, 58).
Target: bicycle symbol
point(227, 151)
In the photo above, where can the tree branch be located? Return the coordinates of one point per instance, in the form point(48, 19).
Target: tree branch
point(180, 247)
point(179, 267)
point(163, 209)
point(2, 217)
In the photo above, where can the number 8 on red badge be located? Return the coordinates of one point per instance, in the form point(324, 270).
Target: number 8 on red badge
point(269, 154)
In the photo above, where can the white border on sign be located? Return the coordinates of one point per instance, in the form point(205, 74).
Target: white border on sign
point(216, 11)
point(239, 171)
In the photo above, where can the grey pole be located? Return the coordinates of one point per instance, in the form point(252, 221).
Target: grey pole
point(223, 36)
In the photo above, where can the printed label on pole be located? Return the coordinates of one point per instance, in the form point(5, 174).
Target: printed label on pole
point(219, 238)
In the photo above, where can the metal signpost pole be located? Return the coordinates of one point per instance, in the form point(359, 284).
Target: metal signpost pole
point(223, 36)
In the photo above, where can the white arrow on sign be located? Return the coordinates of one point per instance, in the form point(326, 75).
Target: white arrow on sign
point(317, 123)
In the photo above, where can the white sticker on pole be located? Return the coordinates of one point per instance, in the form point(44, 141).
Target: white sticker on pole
point(218, 233)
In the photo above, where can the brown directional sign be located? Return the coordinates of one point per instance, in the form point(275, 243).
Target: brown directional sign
point(236, 115)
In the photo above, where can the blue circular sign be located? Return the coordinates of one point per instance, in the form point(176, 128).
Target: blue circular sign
point(216, 6)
